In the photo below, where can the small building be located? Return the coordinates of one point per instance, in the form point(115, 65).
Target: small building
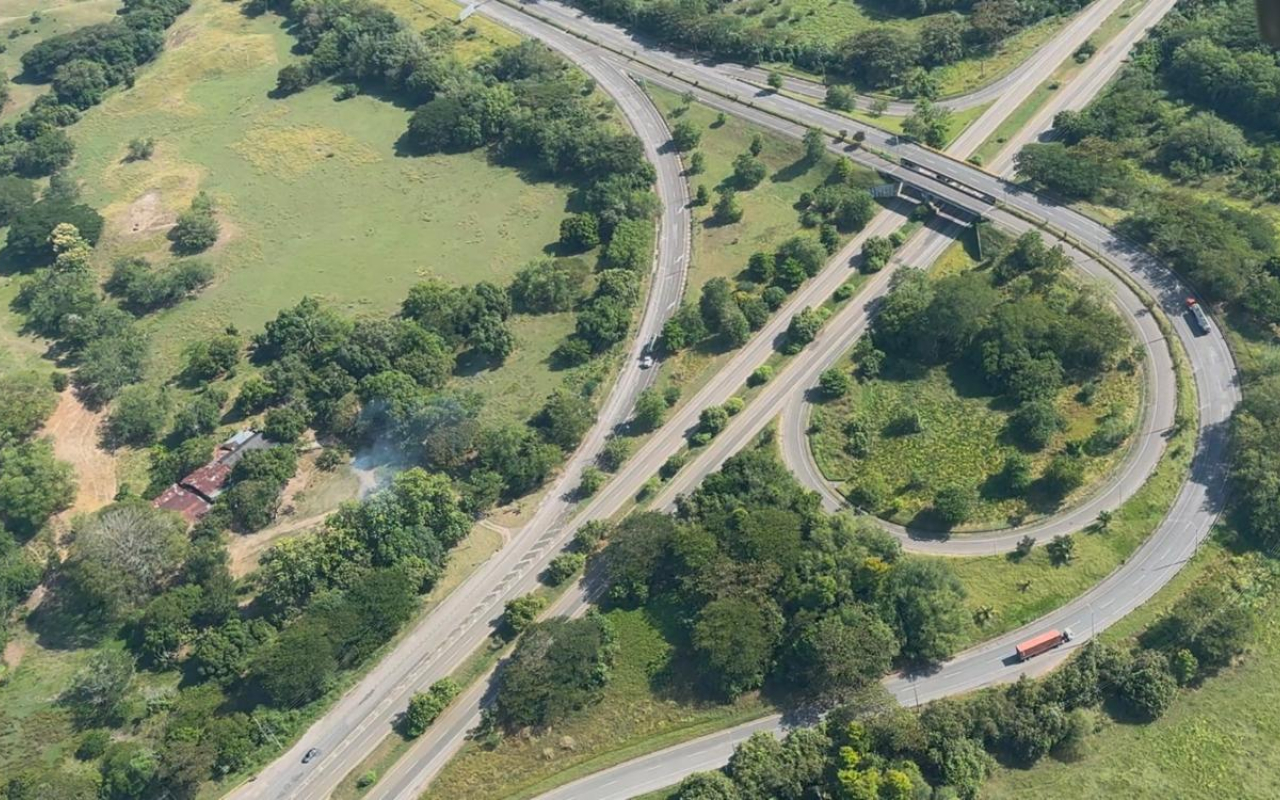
point(193, 496)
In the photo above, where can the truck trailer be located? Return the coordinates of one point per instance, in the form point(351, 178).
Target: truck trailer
point(1042, 643)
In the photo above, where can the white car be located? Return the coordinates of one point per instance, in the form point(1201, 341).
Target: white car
point(646, 361)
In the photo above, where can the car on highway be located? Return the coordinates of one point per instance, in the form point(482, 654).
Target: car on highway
point(311, 755)
point(1042, 643)
point(1199, 319)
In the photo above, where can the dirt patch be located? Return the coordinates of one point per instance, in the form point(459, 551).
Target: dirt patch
point(74, 429)
point(145, 216)
point(13, 653)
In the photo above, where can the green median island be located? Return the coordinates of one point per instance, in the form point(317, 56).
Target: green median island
point(986, 395)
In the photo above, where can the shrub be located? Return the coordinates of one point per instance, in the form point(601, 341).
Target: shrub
point(197, 228)
point(592, 479)
point(563, 567)
point(141, 149)
point(425, 707)
point(761, 376)
point(954, 504)
point(835, 383)
point(520, 613)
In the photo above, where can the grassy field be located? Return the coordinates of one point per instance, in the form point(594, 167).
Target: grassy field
point(1215, 741)
point(384, 223)
point(769, 217)
point(963, 437)
point(19, 33)
point(646, 706)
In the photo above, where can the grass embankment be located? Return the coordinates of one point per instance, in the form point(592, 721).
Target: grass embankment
point(646, 706)
point(963, 434)
point(313, 195)
point(1065, 72)
point(769, 218)
point(824, 22)
point(1215, 741)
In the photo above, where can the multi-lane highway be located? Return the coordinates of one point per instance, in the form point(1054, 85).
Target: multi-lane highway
point(436, 646)
point(463, 621)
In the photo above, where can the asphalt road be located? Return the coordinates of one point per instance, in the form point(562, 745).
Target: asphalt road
point(1195, 509)
point(445, 638)
point(462, 623)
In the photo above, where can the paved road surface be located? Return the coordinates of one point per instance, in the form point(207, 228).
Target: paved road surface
point(446, 637)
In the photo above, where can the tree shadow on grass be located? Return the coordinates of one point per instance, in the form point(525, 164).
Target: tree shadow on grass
point(801, 166)
point(57, 626)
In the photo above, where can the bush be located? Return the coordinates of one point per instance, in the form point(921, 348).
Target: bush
point(761, 376)
point(93, 744)
point(563, 567)
point(734, 405)
point(614, 453)
point(521, 612)
point(592, 479)
point(1034, 424)
point(1061, 550)
point(197, 228)
point(835, 383)
point(589, 535)
point(1024, 547)
point(425, 707)
point(954, 504)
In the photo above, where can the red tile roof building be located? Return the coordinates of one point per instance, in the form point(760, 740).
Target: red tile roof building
point(193, 496)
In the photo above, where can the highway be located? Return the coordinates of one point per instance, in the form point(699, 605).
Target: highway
point(462, 623)
point(364, 716)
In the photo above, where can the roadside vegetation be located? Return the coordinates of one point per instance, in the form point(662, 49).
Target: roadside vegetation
point(790, 205)
point(187, 291)
point(749, 588)
point(982, 397)
point(924, 49)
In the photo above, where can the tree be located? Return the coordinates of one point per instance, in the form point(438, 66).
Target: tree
point(424, 707)
point(1024, 546)
point(650, 410)
point(815, 145)
point(802, 329)
point(953, 504)
point(559, 666)
point(16, 195)
point(1061, 549)
point(685, 136)
point(293, 78)
point(924, 601)
point(563, 567)
point(707, 786)
point(1034, 424)
point(636, 550)
point(298, 666)
point(97, 689)
point(697, 164)
point(614, 453)
point(139, 415)
point(880, 56)
point(208, 359)
point(26, 402)
point(1147, 687)
point(1204, 143)
point(565, 418)
point(993, 21)
point(285, 425)
point(80, 83)
point(841, 98)
point(942, 39)
point(197, 227)
point(876, 252)
point(1063, 476)
point(579, 232)
point(727, 209)
point(701, 197)
point(30, 228)
point(123, 555)
point(45, 154)
point(520, 613)
point(128, 769)
point(928, 122)
point(748, 171)
point(34, 486)
point(844, 650)
point(835, 383)
point(735, 640)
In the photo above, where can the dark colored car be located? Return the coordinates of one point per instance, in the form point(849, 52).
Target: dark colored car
point(311, 755)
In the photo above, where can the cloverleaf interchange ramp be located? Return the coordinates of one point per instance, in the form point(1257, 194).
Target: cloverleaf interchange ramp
point(462, 623)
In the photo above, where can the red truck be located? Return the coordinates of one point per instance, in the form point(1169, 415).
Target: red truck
point(1042, 643)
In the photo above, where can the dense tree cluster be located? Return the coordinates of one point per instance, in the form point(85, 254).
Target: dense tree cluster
point(877, 56)
point(559, 666)
point(773, 591)
point(874, 748)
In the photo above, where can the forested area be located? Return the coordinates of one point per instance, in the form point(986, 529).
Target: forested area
point(1184, 141)
point(876, 57)
point(1027, 331)
point(191, 674)
point(872, 747)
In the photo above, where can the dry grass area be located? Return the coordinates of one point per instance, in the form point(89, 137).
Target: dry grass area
point(75, 433)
